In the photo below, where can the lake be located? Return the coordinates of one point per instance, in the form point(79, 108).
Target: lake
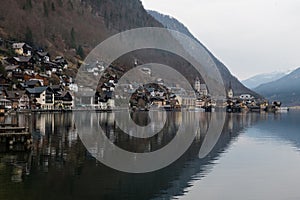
point(255, 156)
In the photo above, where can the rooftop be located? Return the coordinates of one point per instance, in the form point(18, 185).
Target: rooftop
point(23, 58)
point(36, 90)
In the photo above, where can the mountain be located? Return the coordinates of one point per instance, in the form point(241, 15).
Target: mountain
point(60, 26)
point(257, 80)
point(228, 78)
point(285, 89)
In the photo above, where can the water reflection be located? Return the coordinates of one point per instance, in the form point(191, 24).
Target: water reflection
point(60, 167)
point(281, 127)
point(262, 163)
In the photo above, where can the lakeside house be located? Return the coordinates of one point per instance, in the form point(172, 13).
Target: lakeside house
point(41, 97)
point(63, 100)
point(28, 78)
point(49, 99)
point(5, 103)
point(19, 99)
point(85, 97)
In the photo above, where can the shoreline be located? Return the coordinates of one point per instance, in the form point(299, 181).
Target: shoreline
point(294, 107)
point(89, 109)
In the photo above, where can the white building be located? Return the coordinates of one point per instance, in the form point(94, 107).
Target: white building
point(73, 87)
point(246, 97)
point(230, 93)
point(42, 97)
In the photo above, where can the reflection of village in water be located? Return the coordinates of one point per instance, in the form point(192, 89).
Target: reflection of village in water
point(49, 132)
point(58, 157)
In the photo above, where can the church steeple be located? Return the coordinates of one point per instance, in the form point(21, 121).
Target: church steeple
point(230, 91)
point(197, 84)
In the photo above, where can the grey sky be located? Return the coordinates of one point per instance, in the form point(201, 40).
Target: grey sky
point(249, 36)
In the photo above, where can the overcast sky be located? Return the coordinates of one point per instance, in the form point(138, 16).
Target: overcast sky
point(249, 36)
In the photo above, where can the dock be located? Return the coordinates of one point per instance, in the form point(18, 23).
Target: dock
point(14, 137)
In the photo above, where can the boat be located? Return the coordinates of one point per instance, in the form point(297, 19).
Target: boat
point(254, 108)
point(283, 109)
point(274, 107)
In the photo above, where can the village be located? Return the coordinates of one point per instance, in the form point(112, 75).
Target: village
point(160, 96)
point(32, 81)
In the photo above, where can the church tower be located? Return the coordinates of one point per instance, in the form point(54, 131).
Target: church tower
point(230, 92)
point(197, 84)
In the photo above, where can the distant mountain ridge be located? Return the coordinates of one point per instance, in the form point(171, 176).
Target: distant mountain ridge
point(259, 79)
point(228, 78)
point(285, 89)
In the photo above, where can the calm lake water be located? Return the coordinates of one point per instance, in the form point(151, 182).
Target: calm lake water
point(257, 156)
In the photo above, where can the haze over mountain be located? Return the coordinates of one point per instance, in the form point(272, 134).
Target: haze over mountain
point(228, 78)
point(259, 79)
point(285, 89)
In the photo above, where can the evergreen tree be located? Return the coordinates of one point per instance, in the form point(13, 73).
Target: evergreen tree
point(80, 51)
point(28, 36)
point(27, 5)
point(46, 12)
point(52, 6)
point(73, 39)
point(60, 3)
point(71, 4)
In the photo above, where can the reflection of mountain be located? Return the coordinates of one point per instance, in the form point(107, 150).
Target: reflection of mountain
point(69, 172)
point(277, 128)
point(190, 168)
